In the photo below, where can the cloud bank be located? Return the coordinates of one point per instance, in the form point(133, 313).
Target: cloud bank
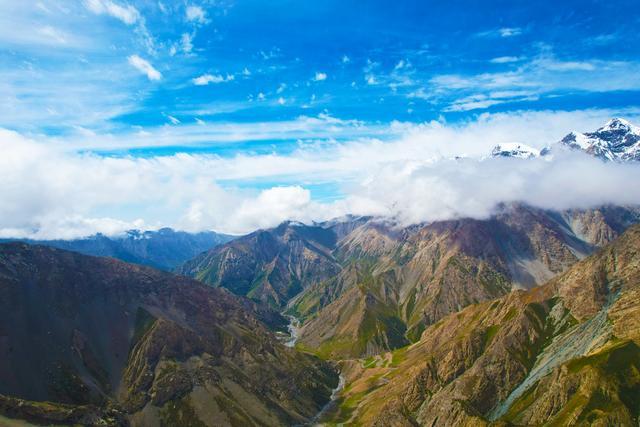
point(49, 191)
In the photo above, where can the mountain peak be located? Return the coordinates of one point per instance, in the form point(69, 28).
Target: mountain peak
point(618, 140)
point(617, 124)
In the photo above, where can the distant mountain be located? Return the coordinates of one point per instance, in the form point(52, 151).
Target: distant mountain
point(164, 249)
point(618, 140)
point(95, 341)
point(566, 353)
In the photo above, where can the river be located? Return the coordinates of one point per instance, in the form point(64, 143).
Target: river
point(294, 331)
point(290, 341)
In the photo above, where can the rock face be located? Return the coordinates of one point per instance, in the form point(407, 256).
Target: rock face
point(618, 140)
point(164, 249)
point(114, 343)
point(566, 353)
point(363, 286)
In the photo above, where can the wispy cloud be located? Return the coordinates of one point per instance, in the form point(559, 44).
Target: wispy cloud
point(505, 59)
point(194, 13)
point(510, 32)
point(319, 77)
point(542, 75)
point(125, 13)
point(206, 79)
point(144, 67)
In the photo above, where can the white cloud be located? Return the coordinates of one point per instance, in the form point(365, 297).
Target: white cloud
point(569, 65)
point(206, 79)
point(186, 41)
point(320, 77)
point(542, 75)
point(510, 32)
point(505, 59)
point(55, 34)
point(173, 120)
point(127, 13)
point(413, 193)
point(196, 14)
point(144, 67)
point(401, 64)
point(50, 193)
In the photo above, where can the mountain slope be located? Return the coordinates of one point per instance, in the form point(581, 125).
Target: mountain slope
point(270, 266)
point(393, 284)
point(102, 339)
point(564, 353)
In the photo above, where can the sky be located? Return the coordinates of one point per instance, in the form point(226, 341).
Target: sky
point(234, 115)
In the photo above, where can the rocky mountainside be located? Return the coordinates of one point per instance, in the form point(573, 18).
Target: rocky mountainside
point(271, 266)
point(395, 284)
point(164, 249)
point(566, 353)
point(105, 342)
point(362, 286)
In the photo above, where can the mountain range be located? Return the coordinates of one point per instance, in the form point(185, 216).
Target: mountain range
point(164, 249)
point(362, 285)
point(618, 141)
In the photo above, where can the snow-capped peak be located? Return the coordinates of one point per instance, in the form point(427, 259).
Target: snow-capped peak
point(618, 140)
point(617, 124)
point(514, 149)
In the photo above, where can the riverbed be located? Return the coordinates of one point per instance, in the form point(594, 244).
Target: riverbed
point(294, 331)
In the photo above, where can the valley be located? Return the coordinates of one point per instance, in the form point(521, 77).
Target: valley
point(528, 316)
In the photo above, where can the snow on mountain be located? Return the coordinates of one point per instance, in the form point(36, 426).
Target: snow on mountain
point(618, 140)
point(521, 151)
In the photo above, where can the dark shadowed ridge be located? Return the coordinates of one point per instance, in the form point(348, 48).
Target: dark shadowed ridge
point(119, 343)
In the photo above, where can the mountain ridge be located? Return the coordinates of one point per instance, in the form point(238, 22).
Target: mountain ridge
point(376, 287)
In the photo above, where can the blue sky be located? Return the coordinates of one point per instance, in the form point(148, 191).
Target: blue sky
point(157, 80)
